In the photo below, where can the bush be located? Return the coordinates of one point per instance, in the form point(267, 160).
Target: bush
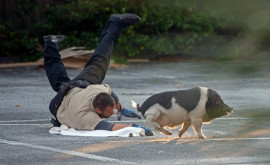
point(18, 44)
point(167, 27)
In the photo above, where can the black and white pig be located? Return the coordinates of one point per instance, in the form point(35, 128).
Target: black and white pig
point(174, 108)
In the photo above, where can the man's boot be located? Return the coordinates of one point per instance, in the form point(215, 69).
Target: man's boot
point(117, 23)
point(126, 19)
point(54, 38)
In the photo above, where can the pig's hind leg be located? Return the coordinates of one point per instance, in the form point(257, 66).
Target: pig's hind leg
point(151, 121)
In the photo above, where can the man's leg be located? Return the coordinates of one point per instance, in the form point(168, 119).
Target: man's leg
point(97, 66)
point(55, 69)
point(56, 72)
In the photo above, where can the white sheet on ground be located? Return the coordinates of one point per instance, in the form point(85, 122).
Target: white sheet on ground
point(125, 132)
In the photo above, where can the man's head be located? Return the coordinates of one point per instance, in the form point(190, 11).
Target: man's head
point(104, 105)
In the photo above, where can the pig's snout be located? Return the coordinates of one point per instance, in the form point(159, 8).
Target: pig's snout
point(228, 109)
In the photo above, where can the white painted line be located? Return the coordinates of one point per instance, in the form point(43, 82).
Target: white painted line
point(140, 74)
point(21, 122)
point(18, 121)
point(124, 121)
point(30, 124)
point(239, 118)
point(218, 132)
point(225, 118)
point(163, 76)
point(239, 108)
point(230, 160)
point(74, 153)
point(230, 139)
point(25, 124)
point(127, 121)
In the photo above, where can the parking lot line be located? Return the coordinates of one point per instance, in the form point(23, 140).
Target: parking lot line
point(37, 120)
point(19, 121)
point(230, 139)
point(229, 160)
point(74, 153)
point(22, 124)
point(244, 108)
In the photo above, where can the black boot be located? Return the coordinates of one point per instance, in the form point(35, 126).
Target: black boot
point(54, 38)
point(126, 19)
point(117, 23)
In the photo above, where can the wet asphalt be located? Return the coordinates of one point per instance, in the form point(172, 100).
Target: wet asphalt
point(241, 138)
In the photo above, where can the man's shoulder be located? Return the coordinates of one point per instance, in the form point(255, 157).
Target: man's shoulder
point(90, 90)
point(99, 87)
point(75, 90)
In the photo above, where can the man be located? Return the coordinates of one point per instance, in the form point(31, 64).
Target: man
point(82, 102)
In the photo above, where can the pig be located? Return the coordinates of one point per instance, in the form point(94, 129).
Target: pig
point(183, 107)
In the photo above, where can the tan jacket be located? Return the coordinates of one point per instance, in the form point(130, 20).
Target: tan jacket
point(76, 110)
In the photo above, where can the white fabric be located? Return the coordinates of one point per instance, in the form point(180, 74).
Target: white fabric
point(125, 132)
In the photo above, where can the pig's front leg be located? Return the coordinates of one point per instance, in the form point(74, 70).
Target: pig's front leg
point(197, 126)
point(183, 129)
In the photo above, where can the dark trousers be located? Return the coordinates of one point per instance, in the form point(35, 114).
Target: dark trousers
point(97, 66)
point(94, 71)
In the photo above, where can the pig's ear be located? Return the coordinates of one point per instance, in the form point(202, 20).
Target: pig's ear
point(210, 104)
point(212, 95)
point(210, 99)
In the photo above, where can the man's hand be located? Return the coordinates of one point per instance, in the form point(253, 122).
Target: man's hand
point(130, 113)
point(148, 132)
point(119, 107)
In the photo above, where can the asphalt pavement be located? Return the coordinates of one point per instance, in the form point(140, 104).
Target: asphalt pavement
point(241, 138)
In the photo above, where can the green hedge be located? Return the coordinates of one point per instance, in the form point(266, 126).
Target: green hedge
point(168, 27)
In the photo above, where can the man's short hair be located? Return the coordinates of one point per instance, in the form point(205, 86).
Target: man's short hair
point(103, 100)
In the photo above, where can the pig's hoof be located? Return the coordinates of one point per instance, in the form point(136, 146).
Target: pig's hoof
point(202, 137)
point(180, 135)
point(168, 133)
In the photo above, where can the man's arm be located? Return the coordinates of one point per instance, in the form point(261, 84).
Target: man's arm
point(122, 110)
point(105, 125)
point(120, 126)
point(115, 97)
point(118, 105)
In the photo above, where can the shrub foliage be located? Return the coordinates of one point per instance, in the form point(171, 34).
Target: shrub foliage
point(168, 27)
